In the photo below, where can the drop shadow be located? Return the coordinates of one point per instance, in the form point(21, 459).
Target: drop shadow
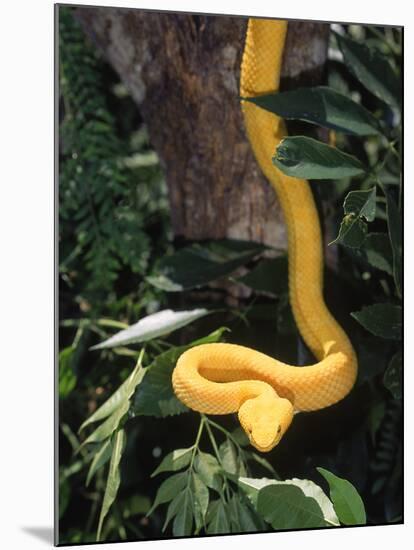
point(43, 533)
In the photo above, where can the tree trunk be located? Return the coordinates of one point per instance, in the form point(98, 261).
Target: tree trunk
point(183, 73)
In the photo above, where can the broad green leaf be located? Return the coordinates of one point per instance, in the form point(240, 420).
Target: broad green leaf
point(395, 233)
point(243, 519)
point(234, 515)
point(217, 519)
point(361, 203)
point(304, 157)
point(114, 479)
point(183, 521)
point(153, 326)
point(120, 396)
point(270, 276)
point(155, 395)
point(323, 106)
point(67, 378)
point(172, 510)
point(240, 436)
point(169, 489)
point(108, 427)
point(393, 376)
point(384, 320)
point(230, 459)
point(199, 264)
point(352, 231)
point(174, 461)
point(285, 506)
point(253, 486)
point(346, 500)
point(372, 69)
point(377, 248)
point(250, 521)
point(201, 499)
point(209, 470)
point(358, 207)
point(100, 459)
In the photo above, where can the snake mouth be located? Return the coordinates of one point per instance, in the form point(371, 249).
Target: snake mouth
point(264, 448)
point(265, 444)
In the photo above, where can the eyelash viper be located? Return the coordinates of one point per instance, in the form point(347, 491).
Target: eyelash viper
point(227, 378)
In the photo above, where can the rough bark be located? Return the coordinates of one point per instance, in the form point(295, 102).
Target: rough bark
point(183, 72)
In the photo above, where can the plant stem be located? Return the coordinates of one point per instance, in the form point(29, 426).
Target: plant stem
point(226, 433)
point(216, 451)
point(197, 441)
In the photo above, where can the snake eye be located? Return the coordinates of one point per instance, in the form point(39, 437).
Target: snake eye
point(279, 429)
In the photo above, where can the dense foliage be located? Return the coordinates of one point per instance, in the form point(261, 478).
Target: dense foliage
point(135, 463)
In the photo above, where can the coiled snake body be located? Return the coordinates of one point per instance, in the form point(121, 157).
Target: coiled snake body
point(227, 378)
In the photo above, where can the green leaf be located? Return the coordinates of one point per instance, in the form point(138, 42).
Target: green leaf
point(346, 500)
point(384, 320)
point(186, 505)
point(174, 461)
point(119, 397)
point(169, 489)
point(153, 326)
point(209, 471)
point(155, 395)
point(240, 437)
point(201, 499)
point(217, 519)
point(114, 479)
point(270, 276)
point(395, 233)
point(183, 522)
point(243, 519)
point(372, 69)
point(67, 378)
point(107, 428)
point(352, 231)
point(377, 248)
point(230, 459)
point(100, 459)
point(287, 507)
point(199, 264)
point(361, 203)
point(172, 510)
point(358, 207)
point(323, 106)
point(304, 157)
point(253, 487)
point(393, 376)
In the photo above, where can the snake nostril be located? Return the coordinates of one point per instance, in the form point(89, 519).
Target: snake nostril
point(279, 429)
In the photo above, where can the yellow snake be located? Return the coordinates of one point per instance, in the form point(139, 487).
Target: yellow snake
point(226, 378)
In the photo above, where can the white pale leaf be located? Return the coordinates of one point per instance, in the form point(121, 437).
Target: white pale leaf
point(153, 326)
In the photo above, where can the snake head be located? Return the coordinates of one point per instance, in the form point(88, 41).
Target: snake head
point(265, 420)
